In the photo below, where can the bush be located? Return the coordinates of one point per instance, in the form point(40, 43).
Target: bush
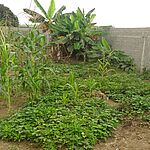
point(122, 61)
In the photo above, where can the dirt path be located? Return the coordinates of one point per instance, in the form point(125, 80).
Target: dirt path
point(131, 135)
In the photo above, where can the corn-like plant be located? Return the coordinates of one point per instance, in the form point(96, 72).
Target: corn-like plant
point(91, 83)
point(32, 74)
point(73, 85)
point(7, 61)
point(103, 67)
point(65, 98)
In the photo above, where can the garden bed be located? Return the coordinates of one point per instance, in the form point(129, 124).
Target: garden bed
point(67, 118)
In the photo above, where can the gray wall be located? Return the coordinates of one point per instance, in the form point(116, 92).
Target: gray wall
point(134, 42)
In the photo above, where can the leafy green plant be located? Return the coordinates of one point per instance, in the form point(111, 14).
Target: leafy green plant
point(145, 74)
point(91, 84)
point(130, 91)
point(122, 61)
point(103, 67)
point(58, 120)
point(116, 58)
point(54, 125)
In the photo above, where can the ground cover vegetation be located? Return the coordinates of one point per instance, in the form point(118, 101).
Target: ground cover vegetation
point(67, 102)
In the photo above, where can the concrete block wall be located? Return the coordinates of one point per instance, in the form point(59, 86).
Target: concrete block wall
point(134, 42)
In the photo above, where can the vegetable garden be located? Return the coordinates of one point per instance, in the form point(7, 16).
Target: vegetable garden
point(75, 89)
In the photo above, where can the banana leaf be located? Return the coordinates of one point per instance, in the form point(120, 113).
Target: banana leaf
point(51, 9)
point(105, 44)
point(36, 17)
point(41, 8)
point(90, 12)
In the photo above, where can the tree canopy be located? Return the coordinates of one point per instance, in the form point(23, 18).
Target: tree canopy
point(7, 17)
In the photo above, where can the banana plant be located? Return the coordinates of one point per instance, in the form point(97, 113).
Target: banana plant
point(45, 18)
point(36, 17)
point(74, 31)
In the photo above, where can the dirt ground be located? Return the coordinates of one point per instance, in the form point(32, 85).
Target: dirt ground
point(15, 105)
point(131, 135)
point(18, 146)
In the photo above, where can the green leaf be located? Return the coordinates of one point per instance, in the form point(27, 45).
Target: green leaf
point(41, 8)
point(105, 44)
point(90, 12)
point(51, 9)
point(92, 17)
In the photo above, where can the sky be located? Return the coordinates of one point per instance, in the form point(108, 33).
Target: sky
point(118, 13)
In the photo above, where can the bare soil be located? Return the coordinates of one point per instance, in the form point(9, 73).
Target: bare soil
point(4, 145)
point(16, 103)
point(132, 135)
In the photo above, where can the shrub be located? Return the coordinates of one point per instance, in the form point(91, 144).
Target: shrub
point(121, 60)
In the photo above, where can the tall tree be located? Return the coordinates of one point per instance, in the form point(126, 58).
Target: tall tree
point(7, 17)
